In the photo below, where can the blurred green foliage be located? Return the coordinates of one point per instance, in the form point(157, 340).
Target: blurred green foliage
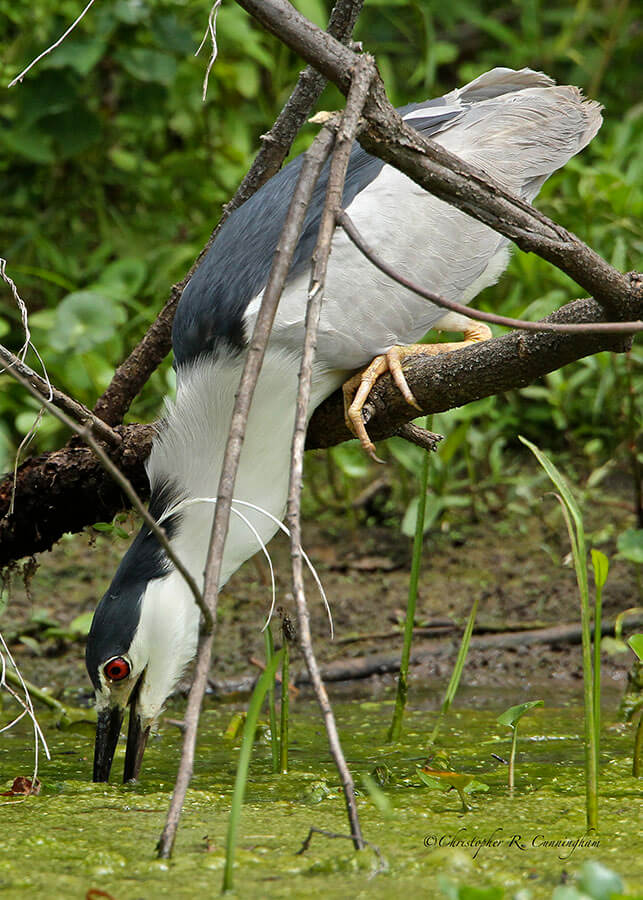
point(113, 172)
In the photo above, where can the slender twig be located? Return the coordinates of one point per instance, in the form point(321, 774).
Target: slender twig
point(383, 865)
point(310, 171)
point(124, 484)
point(353, 233)
point(72, 407)
point(362, 76)
point(52, 47)
point(26, 704)
point(211, 30)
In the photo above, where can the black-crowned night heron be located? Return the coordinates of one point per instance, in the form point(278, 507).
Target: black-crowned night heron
point(516, 125)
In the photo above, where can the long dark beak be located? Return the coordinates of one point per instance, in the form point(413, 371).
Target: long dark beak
point(136, 740)
point(108, 729)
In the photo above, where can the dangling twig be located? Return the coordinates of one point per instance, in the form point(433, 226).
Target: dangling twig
point(52, 47)
point(353, 233)
point(212, 31)
point(362, 76)
point(311, 169)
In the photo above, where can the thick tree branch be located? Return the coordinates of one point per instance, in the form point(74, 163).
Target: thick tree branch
point(67, 489)
point(491, 367)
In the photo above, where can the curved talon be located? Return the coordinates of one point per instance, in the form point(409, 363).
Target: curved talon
point(394, 359)
point(357, 389)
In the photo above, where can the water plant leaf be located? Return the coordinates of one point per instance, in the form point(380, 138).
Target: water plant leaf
point(601, 566)
point(591, 668)
point(620, 619)
point(636, 643)
point(81, 624)
point(377, 795)
point(234, 726)
point(612, 646)
point(514, 714)
point(470, 892)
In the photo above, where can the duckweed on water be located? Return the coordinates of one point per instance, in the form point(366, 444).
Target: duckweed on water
point(76, 835)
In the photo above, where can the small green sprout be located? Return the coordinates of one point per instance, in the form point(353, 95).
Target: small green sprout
point(511, 717)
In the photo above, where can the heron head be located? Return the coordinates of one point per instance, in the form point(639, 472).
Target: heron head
point(143, 635)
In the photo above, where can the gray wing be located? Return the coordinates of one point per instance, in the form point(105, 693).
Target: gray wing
point(210, 315)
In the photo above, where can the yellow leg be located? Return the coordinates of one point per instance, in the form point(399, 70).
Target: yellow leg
point(357, 389)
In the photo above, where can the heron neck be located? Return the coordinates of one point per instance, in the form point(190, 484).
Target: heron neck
point(190, 448)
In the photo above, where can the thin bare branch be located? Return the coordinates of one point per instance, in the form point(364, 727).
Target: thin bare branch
point(362, 76)
point(353, 233)
point(52, 47)
point(311, 169)
point(382, 864)
point(25, 703)
point(22, 355)
point(124, 484)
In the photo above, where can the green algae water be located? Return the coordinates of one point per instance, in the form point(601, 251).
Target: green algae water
point(76, 836)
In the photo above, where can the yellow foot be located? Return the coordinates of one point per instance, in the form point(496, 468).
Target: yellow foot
point(357, 389)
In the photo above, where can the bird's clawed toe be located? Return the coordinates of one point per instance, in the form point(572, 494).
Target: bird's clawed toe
point(357, 389)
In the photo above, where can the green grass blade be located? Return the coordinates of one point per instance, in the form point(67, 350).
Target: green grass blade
point(601, 566)
point(576, 531)
point(254, 708)
point(454, 681)
point(559, 480)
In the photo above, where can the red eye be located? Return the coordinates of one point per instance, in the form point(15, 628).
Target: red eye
point(116, 669)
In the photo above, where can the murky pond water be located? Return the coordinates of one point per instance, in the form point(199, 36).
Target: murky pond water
point(75, 835)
